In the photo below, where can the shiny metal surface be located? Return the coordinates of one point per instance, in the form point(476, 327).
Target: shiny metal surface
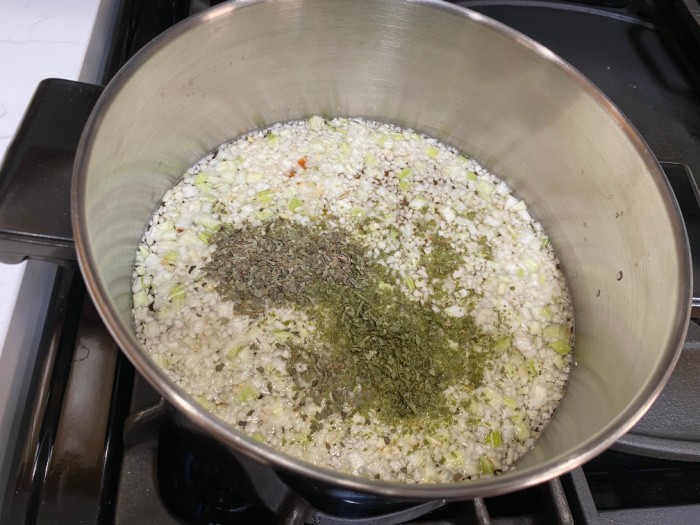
point(452, 74)
point(78, 453)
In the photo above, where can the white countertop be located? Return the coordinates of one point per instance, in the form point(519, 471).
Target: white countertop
point(38, 39)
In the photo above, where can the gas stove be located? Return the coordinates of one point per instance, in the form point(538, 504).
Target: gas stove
point(97, 444)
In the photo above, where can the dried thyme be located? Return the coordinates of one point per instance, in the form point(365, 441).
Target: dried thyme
point(443, 259)
point(377, 349)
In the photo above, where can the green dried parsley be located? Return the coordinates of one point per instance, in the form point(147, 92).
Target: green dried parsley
point(443, 259)
point(374, 347)
point(486, 251)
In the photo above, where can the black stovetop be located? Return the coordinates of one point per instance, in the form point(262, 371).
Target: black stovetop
point(98, 447)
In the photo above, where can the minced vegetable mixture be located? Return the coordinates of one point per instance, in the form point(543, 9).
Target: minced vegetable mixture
point(361, 297)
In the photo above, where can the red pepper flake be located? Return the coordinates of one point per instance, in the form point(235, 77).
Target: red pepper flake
point(291, 174)
point(302, 163)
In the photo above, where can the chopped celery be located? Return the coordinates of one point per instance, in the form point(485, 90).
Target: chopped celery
point(556, 332)
point(257, 436)
point(408, 280)
point(494, 439)
point(404, 173)
point(264, 197)
point(545, 313)
point(234, 351)
point(532, 367)
point(502, 344)
point(471, 176)
point(509, 402)
point(516, 418)
point(316, 122)
point(246, 393)
point(161, 360)
point(272, 138)
point(370, 159)
point(345, 148)
point(560, 347)
point(398, 137)
point(432, 151)
point(294, 204)
point(485, 466)
point(177, 294)
point(200, 182)
point(404, 185)
point(521, 431)
point(170, 257)
point(205, 237)
point(264, 215)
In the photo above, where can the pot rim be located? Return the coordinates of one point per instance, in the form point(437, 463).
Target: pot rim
point(199, 416)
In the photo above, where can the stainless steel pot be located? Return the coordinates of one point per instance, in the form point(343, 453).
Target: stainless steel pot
point(450, 73)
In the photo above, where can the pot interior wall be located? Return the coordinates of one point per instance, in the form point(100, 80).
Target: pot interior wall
point(495, 96)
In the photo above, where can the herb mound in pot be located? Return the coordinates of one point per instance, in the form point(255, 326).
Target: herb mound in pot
point(378, 348)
